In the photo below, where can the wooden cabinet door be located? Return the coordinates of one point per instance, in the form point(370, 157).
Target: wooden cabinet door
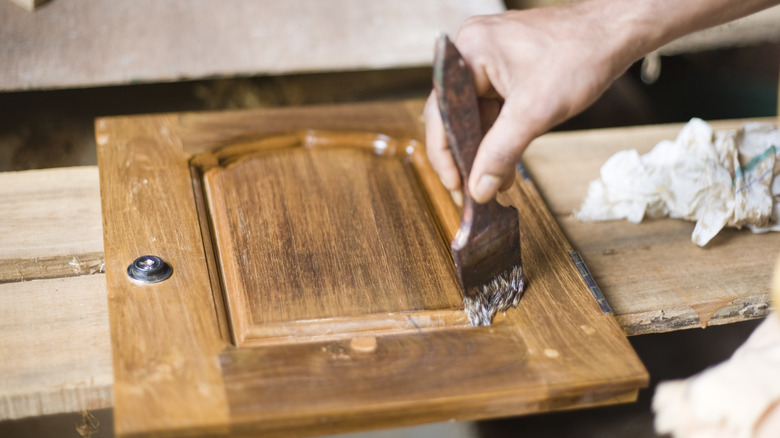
point(312, 289)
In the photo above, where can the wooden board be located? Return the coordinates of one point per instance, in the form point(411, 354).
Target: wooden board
point(336, 228)
point(557, 350)
point(55, 350)
point(78, 353)
point(653, 276)
point(51, 224)
point(91, 42)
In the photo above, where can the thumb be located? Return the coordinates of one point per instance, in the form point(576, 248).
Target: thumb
point(501, 148)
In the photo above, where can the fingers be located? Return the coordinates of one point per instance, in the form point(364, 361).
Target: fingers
point(494, 166)
point(436, 146)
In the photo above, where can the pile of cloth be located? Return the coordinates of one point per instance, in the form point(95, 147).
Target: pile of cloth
point(717, 178)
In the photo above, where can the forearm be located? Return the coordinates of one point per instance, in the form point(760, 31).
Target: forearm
point(643, 26)
point(547, 64)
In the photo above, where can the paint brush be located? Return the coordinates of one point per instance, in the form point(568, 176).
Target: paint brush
point(486, 248)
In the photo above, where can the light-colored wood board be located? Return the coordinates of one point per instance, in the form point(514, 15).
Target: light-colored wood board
point(55, 348)
point(558, 350)
point(384, 395)
point(92, 42)
point(651, 273)
point(50, 225)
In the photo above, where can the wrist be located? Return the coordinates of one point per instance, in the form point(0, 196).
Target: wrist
point(636, 28)
point(628, 30)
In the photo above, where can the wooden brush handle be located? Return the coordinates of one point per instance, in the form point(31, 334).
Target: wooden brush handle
point(458, 105)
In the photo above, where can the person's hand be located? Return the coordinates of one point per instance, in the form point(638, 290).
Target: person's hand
point(738, 397)
point(545, 65)
point(533, 69)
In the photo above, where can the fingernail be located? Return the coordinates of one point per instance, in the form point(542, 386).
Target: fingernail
point(447, 183)
point(486, 188)
point(457, 197)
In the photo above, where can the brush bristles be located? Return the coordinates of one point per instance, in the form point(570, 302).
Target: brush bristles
point(498, 295)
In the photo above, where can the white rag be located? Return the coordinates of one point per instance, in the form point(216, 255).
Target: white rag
point(716, 178)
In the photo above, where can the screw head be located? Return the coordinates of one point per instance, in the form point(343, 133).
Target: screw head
point(149, 269)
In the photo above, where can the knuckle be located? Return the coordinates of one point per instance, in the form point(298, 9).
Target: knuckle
point(474, 30)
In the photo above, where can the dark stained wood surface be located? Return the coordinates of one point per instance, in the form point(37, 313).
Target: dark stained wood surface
point(164, 336)
point(70, 381)
point(176, 371)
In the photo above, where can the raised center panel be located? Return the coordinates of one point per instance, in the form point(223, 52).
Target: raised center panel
point(328, 234)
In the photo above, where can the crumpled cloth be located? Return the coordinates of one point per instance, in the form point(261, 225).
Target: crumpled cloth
point(716, 178)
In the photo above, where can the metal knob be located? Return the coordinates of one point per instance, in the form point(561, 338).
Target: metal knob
point(149, 269)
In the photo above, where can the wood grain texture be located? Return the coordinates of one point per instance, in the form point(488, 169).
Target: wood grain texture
point(332, 229)
point(557, 351)
point(166, 335)
point(654, 278)
point(545, 355)
point(662, 312)
point(55, 349)
point(130, 41)
point(50, 226)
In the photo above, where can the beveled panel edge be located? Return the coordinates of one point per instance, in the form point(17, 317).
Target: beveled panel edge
point(242, 332)
point(374, 325)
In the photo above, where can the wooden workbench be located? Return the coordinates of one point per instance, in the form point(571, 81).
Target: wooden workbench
point(67, 44)
point(54, 337)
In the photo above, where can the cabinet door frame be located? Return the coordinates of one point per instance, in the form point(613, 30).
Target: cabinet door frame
point(177, 372)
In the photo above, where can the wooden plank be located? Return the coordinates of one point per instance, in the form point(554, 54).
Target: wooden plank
point(54, 345)
point(55, 349)
point(51, 223)
point(568, 352)
point(130, 41)
point(654, 278)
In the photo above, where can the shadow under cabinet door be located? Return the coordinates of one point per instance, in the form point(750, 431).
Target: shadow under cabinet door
point(312, 290)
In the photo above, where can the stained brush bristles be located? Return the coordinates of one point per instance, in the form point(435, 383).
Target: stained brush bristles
point(504, 291)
